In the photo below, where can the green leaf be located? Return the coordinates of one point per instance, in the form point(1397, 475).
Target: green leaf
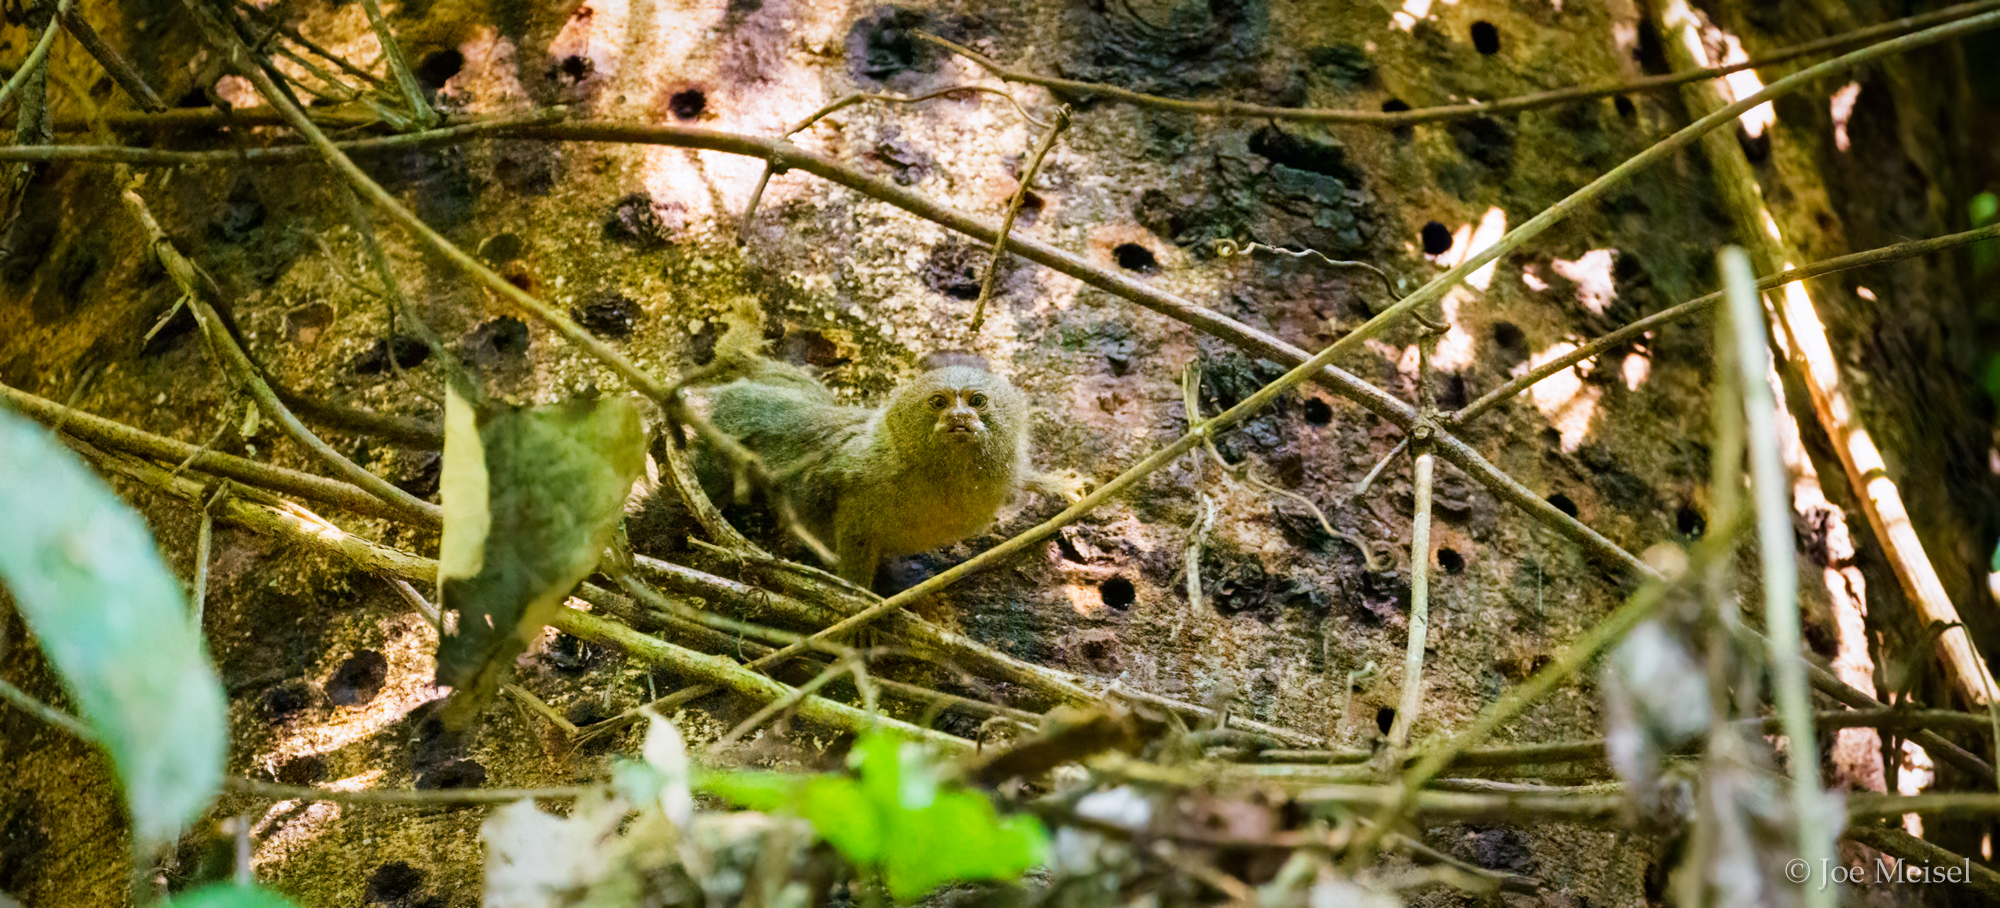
point(229, 895)
point(88, 579)
point(532, 495)
point(854, 825)
point(959, 837)
point(768, 792)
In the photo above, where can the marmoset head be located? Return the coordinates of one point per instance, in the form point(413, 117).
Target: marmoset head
point(959, 406)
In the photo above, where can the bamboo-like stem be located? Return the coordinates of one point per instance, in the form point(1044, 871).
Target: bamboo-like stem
point(1422, 469)
point(1886, 718)
point(1771, 490)
point(1811, 358)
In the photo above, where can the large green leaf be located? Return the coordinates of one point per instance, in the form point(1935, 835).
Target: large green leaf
point(87, 577)
point(532, 495)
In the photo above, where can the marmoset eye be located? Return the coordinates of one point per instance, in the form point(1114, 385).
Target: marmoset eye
point(977, 399)
point(939, 401)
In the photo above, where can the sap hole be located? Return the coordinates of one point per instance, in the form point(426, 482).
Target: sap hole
point(1385, 717)
point(438, 68)
point(687, 104)
point(1451, 560)
point(1134, 257)
point(1437, 238)
point(1563, 503)
point(1689, 522)
point(1486, 37)
point(1118, 593)
point(1318, 412)
point(358, 679)
point(393, 881)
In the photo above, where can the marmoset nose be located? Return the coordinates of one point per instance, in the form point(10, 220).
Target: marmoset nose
point(962, 418)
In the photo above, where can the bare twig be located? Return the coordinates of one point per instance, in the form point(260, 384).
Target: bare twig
point(1457, 111)
point(399, 66)
point(1908, 848)
point(197, 286)
point(1007, 223)
point(1422, 471)
point(535, 705)
point(272, 22)
point(27, 703)
point(101, 431)
point(1614, 339)
point(35, 56)
point(1225, 248)
point(832, 673)
point(114, 65)
point(775, 164)
point(444, 797)
point(853, 98)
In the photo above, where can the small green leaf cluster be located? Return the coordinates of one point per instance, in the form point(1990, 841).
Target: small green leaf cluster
point(895, 816)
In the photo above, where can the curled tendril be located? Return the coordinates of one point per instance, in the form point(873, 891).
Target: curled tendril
point(1225, 248)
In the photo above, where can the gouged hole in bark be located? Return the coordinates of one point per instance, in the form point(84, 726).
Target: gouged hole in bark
point(1563, 503)
point(501, 248)
point(1625, 107)
point(1118, 593)
point(304, 769)
point(1689, 522)
point(1385, 717)
point(1031, 210)
point(286, 700)
point(1486, 37)
point(1395, 105)
point(393, 881)
point(438, 68)
point(687, 104)
point(1318, 412)
point(1451, 560)
point(1134, 257)
point(1437, 238)
point(358, 679)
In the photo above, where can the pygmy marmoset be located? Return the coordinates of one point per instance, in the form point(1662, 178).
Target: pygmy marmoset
point(927, 469)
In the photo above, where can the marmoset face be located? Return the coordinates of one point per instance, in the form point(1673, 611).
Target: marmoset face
point(960, 412)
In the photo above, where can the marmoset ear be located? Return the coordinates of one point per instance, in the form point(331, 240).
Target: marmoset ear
point(945, 359)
